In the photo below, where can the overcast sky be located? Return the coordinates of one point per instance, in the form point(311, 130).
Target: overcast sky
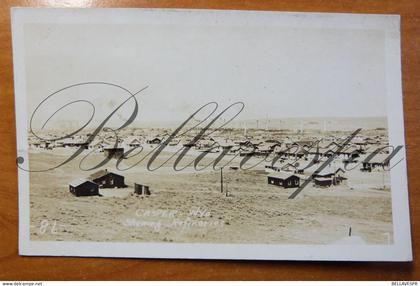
point(276, 71)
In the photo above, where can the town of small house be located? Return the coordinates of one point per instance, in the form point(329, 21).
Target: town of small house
point(295, 150)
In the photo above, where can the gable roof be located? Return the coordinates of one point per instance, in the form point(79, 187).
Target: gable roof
point(78, 182)
point(322, 179)
point(329, 170)
point(100, 174)
point(377, 158)
point(134, 140)
point(113, 148)
point(287, 166)
point(281, 175)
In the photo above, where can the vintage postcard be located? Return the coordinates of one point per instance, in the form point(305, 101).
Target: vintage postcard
point(210, 134)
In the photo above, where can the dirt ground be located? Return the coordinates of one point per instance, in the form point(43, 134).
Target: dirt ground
point(188, 206)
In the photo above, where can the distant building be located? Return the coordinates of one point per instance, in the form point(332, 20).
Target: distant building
point(379, 160)
point(334, 145)
point(271, 169)
point(284, 180)
point(46, 144)
point(73, 142)
point(35, 144)
point(323, 182)
point(204, 144)
point(351, 151)
point(360, 141)
point(107, 179)
point(245, 143)
point(174, 142)
point(224, 144)
point(134, 143)
point(188, 144)
point(290, 168)
point(264, 149)
point(80, 187)
point(140, 189)
point(236, 150)
point(328, 176)
point(96, 144)
point(111, 152)
point(304, 143)
point(154, 140)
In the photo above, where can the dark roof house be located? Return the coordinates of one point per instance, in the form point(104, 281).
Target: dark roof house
point(107, 179)
point(80, 187)
point(285, 180)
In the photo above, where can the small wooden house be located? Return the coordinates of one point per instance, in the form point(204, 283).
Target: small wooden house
point(323, 177)
point(81, 187)
point(246, 143)
point(140, 189)
point(350, 151)
point(236, 150)
point(289, 168)
point(204, 144)
point(271, 168)
point(305, 143)
point(284, 180)
point(264, 149)
point(323, 182)
point(379, 160)
point(224, 144)
point(154, 140)
point(174, 142)
point(107, 179)
point(134, 143)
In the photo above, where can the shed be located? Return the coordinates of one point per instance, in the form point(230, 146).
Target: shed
point(80, 187)
point(141, 189)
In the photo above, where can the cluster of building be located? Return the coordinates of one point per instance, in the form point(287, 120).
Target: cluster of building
point(327, 177)
point(103, 179)
point(298, 148)
point(290, 175)
point(258, 144)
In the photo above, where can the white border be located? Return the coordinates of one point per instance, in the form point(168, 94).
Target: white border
point(399, 251)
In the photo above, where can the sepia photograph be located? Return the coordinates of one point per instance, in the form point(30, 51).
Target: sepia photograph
point(210, 134)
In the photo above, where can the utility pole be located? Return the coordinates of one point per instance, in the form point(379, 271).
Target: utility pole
point(383, 179)
point(221, 180)
point(227, 192)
